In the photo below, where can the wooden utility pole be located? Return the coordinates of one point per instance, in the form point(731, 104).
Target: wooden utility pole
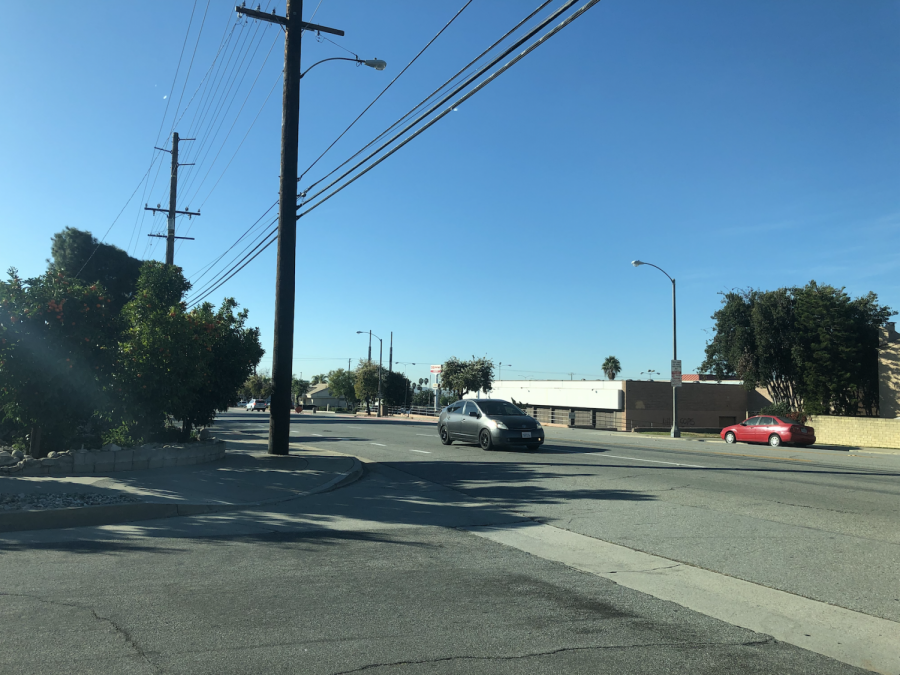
point(285, 266)
point(173, 193)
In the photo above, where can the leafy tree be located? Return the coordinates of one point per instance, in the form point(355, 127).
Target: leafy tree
point(366, 385)
point(76, 252)
point(258, 385)
point(461, 377)
point(812, 348)
point(57, 347)
point(319, 379)
point(187, 364)
point(342, 384)
point(395, 389)
point(300, 388)
point(424, 398)
point(611, 367)
point(226, 353)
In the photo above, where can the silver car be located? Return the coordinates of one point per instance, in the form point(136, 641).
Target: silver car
point(489, 423)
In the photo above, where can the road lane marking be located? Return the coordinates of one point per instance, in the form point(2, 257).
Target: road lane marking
point(852, 637)
point(424, 452)
point(635, 459)
point(381, 444)
point(429, 435)
point(320, 435)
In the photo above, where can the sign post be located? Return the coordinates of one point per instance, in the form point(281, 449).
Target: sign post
point(437, 384)
point(676, 372)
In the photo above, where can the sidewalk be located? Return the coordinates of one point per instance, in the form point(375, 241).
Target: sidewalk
point(246, 477)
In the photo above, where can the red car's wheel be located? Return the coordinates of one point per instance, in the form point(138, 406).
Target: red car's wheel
point(730, 438)
point(775, 440)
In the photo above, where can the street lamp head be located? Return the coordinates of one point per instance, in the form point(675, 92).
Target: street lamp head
point(377, 64)
point(637, 263)
point(361, 331)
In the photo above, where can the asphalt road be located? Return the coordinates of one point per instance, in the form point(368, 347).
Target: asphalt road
point(821, 524)
point(386, 575)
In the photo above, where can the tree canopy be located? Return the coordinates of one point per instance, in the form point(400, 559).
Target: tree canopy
point(367, 382)
point(321, 378)
point(342, 384)
point(813, 348)
point(77, 252)
point(461, 377)
point(300, 388)
point(611, 367)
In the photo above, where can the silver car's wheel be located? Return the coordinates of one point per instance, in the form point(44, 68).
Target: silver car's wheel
point(445, 436)
point(485, 440)
point(774, 440)
point(729, 437)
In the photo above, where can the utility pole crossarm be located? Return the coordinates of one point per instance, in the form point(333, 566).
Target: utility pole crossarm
point(283, 21)
point(183, 213)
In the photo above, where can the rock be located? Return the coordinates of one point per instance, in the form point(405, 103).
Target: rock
point(6, 458)
point(52, 455)
point(30, 461)
point(205, 434)
point(18, 454)
point(112, 447)
point(49, 461)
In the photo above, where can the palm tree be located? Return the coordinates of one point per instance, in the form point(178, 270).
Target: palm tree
point(319, 379)
point(611, 367)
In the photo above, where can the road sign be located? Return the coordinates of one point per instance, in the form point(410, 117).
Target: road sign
point(676, 372)
point(435, 369)
point(435, 385)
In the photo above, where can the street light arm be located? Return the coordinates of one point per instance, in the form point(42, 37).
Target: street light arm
point(637, 263)
point(377, 64)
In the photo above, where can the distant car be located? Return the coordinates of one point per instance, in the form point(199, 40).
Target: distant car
point(489, 423)
point(770, 429)
point(257, 404)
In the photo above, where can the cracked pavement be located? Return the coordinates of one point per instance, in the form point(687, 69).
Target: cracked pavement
point(378, 577)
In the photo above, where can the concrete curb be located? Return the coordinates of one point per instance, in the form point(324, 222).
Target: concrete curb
point(111, 514)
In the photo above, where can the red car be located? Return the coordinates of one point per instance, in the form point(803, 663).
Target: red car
point(773, 430)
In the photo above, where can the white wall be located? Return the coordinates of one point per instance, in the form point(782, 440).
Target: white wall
point(606, 394)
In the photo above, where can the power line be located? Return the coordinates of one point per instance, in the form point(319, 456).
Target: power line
point(209, 141)
point(190, 65)
point(109, 229)
point(424, 100)
point(224, 277)
point(249, 229)
point(531, 33)
point(390, 84)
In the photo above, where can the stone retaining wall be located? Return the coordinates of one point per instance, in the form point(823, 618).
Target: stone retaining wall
point(112, 458)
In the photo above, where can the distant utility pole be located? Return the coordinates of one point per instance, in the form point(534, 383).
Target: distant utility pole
point(285, 271)
point(391, 355)
point(173, 193)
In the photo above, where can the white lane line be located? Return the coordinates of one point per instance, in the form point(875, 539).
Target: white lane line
point(861, 640)
point(381, 444)
point(319, 435)
point(635, 459)
point(429, 435)
point(424, 452)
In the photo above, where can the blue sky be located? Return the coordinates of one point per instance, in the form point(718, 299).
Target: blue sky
point(732, 144)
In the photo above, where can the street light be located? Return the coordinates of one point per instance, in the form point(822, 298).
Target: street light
point(380, 349)
point(377, 64)
point(676, 432)
point(500, 369)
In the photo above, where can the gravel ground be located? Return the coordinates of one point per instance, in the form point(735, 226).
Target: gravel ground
point(59, 500)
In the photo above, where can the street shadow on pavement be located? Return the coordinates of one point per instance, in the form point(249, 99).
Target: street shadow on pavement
point(386, 498)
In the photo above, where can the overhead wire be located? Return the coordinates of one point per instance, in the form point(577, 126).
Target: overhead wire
point(190, 66)
point(430, 96)
point(206, 145)
point(383, 91)
point(270, 238)
point(506, 52)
